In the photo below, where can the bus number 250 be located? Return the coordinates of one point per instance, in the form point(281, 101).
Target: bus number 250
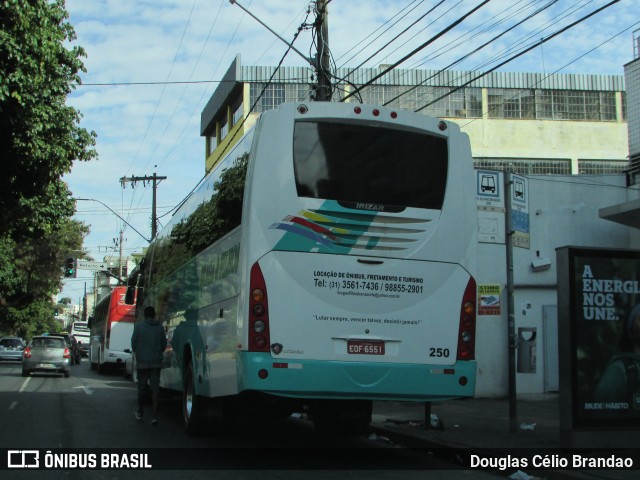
point(438, 352)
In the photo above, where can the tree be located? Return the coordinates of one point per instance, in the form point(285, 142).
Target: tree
point(31, 271)
point(40, 138)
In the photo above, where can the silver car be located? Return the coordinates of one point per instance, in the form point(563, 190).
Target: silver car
point(46, 354)
point(11, 348)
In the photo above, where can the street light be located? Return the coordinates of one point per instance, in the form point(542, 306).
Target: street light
point(109, 208)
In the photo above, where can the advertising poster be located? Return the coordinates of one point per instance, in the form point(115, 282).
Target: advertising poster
point(604, 333)
point(489, 300)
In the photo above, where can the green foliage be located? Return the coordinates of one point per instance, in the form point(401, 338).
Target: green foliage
point(32, 320)
point(39, 135)
point(31, 271)
point(40, 138)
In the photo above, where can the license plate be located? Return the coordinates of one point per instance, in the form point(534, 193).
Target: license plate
point(46, 365)
point(365, 347)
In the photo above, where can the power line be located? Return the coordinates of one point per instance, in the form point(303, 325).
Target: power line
point(540, 42)
point(421, 47)
point(530, 16)
point(554, 72)
point(400, 34)
point(128, 84)
point(479, 30)
point(244, 118)
point(382, 33)
point(503, 53)
point(423, 29)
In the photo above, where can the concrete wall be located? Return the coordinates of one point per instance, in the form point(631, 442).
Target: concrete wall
point(563, 211)
point(547, 139)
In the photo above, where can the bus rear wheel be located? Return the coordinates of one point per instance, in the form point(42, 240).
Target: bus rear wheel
point(192, 404)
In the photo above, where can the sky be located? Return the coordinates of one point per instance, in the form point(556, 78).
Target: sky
point(153, 64)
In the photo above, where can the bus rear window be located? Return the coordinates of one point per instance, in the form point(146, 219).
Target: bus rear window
point(358, 164)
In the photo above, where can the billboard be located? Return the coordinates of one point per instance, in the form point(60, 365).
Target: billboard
point(599, 338)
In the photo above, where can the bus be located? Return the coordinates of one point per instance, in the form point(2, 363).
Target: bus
point(326, 262)
point(111, 328)
point(81, 331)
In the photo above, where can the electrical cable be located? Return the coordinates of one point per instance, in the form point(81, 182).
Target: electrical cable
point(540, 42)
point(477, 49)
point(442, 15)
point(533, 85)
point(400, 34)
point(502, 54)
point(382, 33)
point(421, 47)
point(244, 118)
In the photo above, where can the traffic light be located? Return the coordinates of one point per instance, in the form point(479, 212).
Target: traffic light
point(70, 267)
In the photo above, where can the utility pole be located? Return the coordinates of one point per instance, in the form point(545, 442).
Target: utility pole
point(322, 61)
point(323, 56)
point(120, 258)
point(511, 318)
point(155, 181)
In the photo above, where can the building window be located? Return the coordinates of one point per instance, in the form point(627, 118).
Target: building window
point(380, 95)
point(277, 93)
point(511, 103)
point(473, 102)
point(212, 143)
point(224, 128)
point(602, 167)
point(297, 92)
point(575, 105)
point(525, 166)
point(238, 111)
point(608, 106)
point(272, 97)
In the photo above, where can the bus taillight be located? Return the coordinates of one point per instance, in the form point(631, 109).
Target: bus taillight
point(258, 312)
point(467, 328)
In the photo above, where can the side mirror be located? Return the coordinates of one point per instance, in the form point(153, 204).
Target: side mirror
point(127, 350)
point(130, 296)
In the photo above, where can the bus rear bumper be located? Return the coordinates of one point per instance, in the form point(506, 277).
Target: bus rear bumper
point(355, 380)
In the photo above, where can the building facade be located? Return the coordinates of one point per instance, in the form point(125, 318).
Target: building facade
point(530, 122)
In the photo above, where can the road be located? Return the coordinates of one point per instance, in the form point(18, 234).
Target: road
point(94, 411)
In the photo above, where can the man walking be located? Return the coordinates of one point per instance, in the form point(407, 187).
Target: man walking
point(148, 342)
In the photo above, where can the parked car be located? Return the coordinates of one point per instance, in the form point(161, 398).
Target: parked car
point(11, 348)
point(46, 354)
point(72, 343)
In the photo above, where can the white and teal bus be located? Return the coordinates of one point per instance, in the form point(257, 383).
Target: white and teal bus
point(326, 262)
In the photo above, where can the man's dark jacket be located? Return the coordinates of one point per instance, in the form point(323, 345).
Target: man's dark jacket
point(148, 342)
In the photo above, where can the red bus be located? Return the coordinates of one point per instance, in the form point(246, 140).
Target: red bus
point(111, 328)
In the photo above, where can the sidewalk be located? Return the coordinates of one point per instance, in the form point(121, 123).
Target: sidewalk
point(475, 423)
point(471, 425)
